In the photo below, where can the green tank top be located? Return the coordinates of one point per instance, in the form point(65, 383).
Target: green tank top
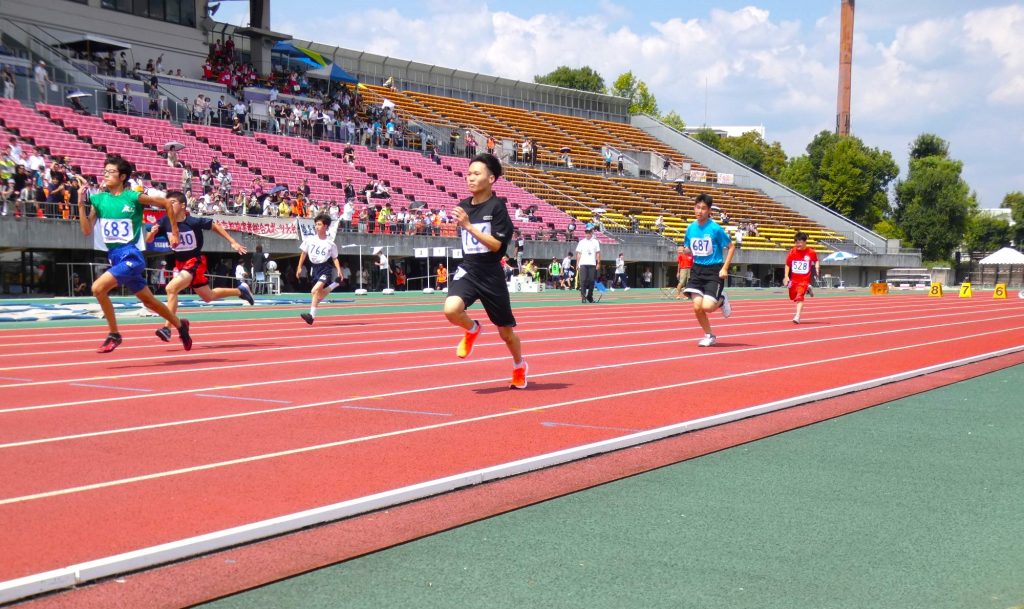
point(118, 218)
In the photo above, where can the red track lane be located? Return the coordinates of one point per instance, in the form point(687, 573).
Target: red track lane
point(113, 519)
point(132, 409)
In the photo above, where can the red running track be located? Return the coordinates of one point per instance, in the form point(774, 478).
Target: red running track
point(108, 454)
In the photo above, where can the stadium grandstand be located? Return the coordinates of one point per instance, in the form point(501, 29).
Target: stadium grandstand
point(129, 475)
point(89, 80)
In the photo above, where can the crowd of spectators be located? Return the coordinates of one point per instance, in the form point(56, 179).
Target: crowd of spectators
point(39, 185)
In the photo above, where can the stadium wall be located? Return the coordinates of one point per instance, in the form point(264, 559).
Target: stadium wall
point(182, 46)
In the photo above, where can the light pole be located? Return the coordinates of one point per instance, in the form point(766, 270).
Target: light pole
point(360, 291)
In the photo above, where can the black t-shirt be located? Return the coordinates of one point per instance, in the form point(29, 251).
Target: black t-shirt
point(259, 262)
point(190, 235)
point(491, 217)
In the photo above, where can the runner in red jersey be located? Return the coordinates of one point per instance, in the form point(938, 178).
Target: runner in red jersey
point(799, 264)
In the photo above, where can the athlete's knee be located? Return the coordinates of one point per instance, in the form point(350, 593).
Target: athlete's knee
point(453, 308)
point(507, 334)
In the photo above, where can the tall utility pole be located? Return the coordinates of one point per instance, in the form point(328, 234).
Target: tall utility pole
point(845, 66)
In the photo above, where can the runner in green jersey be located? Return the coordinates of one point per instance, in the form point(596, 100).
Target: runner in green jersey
point(117, 216)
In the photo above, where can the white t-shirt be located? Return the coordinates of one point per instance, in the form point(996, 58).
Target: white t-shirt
point(620, 266)
point(240, 272)
point(319, 250)
point(587, 249)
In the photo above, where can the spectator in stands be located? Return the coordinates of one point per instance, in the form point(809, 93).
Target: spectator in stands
point(490, 144)
point(607, 161)
point(470, 145)
point(122, 65)
point(42, 79)
point(8, 80)
point(518, 214)
point(634, 223)
point(621, 164)
point(7, 196)
point(236, 127)
point(127, 102)
point(240, 110)
point(78, 287)
point(284, 208)
point(348, 209)
point(659, 224)
point(270, 207)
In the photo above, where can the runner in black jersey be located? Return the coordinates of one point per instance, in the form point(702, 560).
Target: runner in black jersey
point(486, 231)
point(189, 260)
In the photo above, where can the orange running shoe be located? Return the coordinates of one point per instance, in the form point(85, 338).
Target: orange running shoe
point(466, 344)
point(519, 376)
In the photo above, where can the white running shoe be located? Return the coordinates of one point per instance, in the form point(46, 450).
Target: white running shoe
point(726, 307)
point(627, 288)
point(796, 320)
point(707, 341)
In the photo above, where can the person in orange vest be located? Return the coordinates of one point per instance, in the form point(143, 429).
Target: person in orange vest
point(442, 276)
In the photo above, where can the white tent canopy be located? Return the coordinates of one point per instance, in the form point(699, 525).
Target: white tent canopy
point(1007, 255)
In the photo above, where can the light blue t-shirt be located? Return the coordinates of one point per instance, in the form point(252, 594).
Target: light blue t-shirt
point(708, 243)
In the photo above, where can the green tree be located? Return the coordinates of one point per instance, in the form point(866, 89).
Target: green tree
point(1014, 201)
point(929, 144)
point(582, 79)
point(674, 120)
point(753, 151)
point(641, 100)
point(844, 174)
point(987, 233)
point(933, 206)
point(708, 137)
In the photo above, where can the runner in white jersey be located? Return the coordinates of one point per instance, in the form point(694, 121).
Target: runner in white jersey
point(321, 251)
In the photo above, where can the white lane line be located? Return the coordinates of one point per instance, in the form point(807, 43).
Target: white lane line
point(617, 365)
point(235, 397)
point(447, 335)
point(399, 410)
point(245, 533)
point(261, 332)
point(671, 341)
point(110, 387)
point(486, 417)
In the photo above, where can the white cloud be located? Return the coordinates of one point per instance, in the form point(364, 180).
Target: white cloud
point(934, 66)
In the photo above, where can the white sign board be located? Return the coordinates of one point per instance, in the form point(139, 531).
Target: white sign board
point(420, 252)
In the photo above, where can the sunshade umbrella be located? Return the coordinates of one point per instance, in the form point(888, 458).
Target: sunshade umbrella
point(173, 146)
point(77, 93)
point(839, 256)
point(565, 149)
point(277, 189)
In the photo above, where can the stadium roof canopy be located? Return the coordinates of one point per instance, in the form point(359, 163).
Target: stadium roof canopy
point(93, 43)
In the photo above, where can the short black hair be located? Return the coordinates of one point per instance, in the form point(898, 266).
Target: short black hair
point(322, 218)
point(124, 166)
point(492, 162)
point(178, 196)
point(800, 236)
point(704, 198)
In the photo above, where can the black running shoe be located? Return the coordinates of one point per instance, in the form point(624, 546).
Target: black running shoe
point(164, 334)
point(245, 293)
point(112, 342)
point(186, 340)
point(307, 318)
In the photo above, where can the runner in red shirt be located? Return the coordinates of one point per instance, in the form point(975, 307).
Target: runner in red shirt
point(798, 271)
point(684, 260)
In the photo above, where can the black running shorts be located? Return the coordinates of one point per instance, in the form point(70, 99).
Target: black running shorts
point(486, 284)
point(704, 281)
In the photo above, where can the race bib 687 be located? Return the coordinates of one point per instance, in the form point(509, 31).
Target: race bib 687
point(701, 246)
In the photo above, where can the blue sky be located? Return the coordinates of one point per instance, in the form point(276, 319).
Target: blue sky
point(941, 66)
